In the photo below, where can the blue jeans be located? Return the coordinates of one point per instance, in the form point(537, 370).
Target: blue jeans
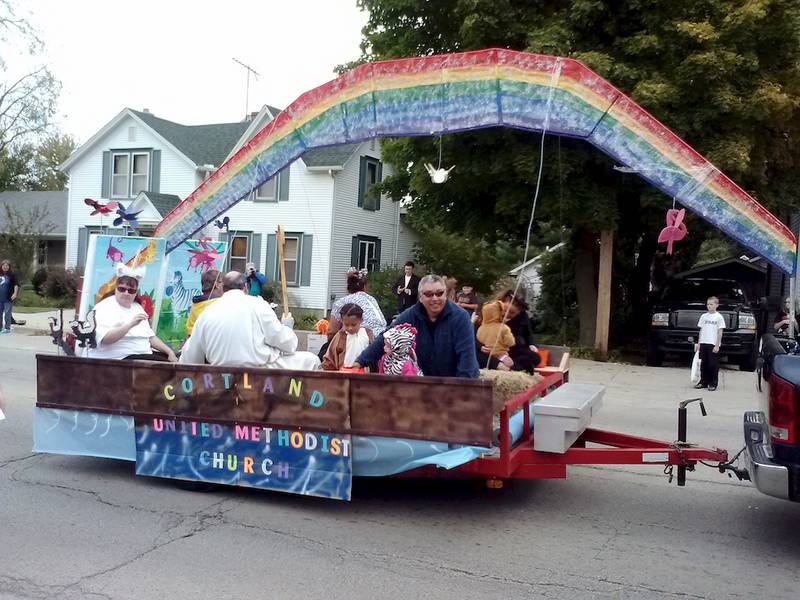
point(5, 309)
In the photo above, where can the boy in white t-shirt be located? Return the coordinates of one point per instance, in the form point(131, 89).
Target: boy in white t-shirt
point(711, 325)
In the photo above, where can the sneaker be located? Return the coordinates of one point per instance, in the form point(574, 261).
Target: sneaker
point(699, 386)
point(711, 388)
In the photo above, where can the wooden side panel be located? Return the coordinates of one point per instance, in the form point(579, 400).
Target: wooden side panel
point(435, 408)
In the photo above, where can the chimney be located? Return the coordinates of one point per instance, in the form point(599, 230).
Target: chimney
point(146, 110)
point(251, 116)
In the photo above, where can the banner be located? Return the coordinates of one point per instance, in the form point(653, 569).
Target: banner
point(100, 276)
point(185, 267)
point(280, 459)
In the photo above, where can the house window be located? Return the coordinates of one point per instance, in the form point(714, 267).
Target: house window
point(366, 253)
point(141, 163)
point(119, 176)
point(266, 191)
point(238, 252)
point(369, 176)
point(291, 253)
point(130, 173)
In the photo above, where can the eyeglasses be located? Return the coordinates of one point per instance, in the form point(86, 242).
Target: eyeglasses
point(126, 290)
point(430, 294)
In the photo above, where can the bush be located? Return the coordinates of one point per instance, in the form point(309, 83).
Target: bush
point(379, 285)
point(38, 280)
point(61, 283)
point(269, 291)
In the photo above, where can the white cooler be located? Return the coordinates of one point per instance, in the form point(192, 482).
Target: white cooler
point(560, 417)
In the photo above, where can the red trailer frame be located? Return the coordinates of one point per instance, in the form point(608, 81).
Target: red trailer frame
point(521, 461)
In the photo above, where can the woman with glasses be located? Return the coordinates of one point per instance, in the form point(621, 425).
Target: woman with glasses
point(122, 329)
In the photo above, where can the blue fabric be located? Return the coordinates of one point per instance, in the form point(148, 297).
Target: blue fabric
point(83, 433)
point(446, 350)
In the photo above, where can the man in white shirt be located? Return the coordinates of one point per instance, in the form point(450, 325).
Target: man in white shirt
point(243, 331)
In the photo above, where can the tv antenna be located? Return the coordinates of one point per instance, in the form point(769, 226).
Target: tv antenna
point(247, 90)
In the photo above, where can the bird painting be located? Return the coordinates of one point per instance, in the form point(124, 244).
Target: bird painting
point(439, 175)
point(100, 208)
point(124, 215)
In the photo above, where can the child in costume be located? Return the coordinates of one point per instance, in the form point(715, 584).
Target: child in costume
point(493, 333)
point(399, 357)
point(349, 341)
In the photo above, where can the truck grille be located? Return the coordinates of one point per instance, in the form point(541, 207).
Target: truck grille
point(687, 319)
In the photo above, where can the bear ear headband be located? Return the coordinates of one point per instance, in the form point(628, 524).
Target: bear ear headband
point(124, 270)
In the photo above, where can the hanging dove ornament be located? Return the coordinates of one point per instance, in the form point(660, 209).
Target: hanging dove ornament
point(438, 175)
point(675, 230)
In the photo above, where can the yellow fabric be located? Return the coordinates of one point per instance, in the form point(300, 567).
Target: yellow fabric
point(493, 332)
point(197, 308)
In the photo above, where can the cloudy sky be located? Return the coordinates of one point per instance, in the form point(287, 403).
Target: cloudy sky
point(175, 57)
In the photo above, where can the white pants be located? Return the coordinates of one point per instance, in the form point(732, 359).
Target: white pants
point(299, 361)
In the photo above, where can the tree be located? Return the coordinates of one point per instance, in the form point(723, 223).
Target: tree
point(27, 98)
point(29, 167)
point(22, 232)
point(723, 74)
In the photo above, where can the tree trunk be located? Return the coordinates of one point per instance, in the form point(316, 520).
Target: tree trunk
point(586, 284)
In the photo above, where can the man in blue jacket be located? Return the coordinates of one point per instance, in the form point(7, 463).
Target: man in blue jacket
point(445, 335)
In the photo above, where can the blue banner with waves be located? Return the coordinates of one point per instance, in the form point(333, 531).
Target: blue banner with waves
point(285, 460)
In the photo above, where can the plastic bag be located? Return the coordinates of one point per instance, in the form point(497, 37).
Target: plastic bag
point(695, 375)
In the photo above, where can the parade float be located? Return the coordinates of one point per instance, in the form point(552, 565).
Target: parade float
point(311, 432)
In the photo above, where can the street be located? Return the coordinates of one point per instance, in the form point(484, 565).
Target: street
point(75, 527)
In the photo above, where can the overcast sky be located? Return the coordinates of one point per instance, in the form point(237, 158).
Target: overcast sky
point(175, 57)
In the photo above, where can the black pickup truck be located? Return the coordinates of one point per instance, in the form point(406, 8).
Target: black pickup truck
point(673, 321)
point(773, 437)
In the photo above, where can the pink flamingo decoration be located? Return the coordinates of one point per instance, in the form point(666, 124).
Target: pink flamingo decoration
point(203, 259)
point(113, 253)
point(675, 230)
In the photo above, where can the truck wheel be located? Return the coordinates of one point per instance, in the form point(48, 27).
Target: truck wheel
point(748, 363)
point(654, 356)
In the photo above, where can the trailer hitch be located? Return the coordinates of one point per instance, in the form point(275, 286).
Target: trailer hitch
point(681, 443)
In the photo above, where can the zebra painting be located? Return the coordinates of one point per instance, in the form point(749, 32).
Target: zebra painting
point(180, 296)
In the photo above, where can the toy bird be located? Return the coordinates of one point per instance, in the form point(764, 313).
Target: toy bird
point(438, 175)
point(675, 230)
point(99, 208)
point(224, 224)
point(124, 215)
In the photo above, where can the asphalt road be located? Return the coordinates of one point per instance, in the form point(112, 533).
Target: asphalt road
point(76, 528)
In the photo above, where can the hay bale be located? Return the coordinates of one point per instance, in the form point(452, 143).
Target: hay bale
point(508, 384)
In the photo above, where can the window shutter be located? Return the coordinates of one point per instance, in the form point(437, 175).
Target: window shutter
point(354, 252)
point(380, 178)
point(283, 184)
point(305, 265)
point(255, 250)
point(362, 173)
point(272, 257)
point(83, 242)
point(378, 254)
point(105, 191)
point(155, 171)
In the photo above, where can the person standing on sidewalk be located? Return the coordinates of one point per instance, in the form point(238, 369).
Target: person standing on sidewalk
point(711, 325)
point(8, 293)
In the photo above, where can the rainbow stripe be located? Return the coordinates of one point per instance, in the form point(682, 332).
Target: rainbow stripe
point(488, 88)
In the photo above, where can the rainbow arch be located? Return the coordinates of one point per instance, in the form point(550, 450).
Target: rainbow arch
point(488, 88)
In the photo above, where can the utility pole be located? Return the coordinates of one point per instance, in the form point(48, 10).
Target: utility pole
point(247, 90)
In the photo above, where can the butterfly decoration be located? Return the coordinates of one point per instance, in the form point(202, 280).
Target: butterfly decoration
point(124, 215)
point(223, 224)
point(438, 175)
point(675, 230)
point(203, 258)
point(100, 208)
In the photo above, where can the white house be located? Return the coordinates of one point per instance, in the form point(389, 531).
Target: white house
point(322, 200)
point(531, 281)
